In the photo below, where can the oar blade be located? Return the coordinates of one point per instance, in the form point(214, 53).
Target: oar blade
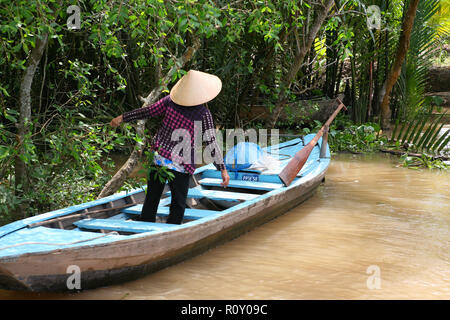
point(288, 174)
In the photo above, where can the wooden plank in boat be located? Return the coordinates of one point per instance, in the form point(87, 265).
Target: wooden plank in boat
point(197, 193)
point(243, 175)
point(125, 226)
point(255, 185)
point(44, 239)
point(191, 214)
point(165, 201)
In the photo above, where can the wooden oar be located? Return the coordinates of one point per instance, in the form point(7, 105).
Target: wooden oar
point(298, 161)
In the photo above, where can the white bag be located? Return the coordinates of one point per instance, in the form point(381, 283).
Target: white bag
point(265, 162)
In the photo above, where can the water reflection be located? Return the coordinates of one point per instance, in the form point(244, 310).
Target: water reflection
point(368, 213)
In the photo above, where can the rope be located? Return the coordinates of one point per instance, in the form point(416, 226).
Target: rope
point(286, 146)
point(59, 244)
point(281, 154)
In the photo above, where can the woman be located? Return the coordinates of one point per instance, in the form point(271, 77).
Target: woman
point(183, 112)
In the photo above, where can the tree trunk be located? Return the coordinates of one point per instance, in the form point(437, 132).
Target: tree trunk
point(298, 60)
point(21, 176)
point(353, 88)
point(394, 73)
point(119, 178)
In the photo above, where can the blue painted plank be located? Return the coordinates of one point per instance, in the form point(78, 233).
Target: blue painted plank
point(197, 193)
point(255, 185)
point(40, 239)
point(125, 226)
point(243, 175)
point(165, 201)
point(133, 210)
point(190, 214)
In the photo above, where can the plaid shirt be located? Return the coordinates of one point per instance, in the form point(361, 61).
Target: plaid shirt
point(179, 117)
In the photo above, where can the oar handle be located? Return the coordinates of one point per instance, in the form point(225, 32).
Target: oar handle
point(341, 105)
point(327, 124)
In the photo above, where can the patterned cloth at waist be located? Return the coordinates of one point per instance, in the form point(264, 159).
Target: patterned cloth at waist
point(161, 161)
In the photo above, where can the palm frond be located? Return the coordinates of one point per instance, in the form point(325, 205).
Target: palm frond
point(411, 87)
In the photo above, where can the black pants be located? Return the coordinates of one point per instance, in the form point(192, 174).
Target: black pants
point(179, 186)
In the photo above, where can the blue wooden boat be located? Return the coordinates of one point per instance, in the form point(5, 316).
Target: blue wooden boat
point(106, 244)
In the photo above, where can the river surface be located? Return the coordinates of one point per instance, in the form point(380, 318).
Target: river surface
point(372, 231)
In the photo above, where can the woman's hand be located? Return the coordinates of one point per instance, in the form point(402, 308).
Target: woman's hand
point(116, 121)
point(225, 178)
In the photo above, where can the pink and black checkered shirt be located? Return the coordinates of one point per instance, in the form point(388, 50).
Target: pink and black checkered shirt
point(168, 139)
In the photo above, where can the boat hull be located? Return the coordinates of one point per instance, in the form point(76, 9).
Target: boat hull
point(129, 259)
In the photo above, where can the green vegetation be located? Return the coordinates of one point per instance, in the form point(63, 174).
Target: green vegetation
point(356, 138)
point(421, 134)
point(60, 86)
point(423, 161)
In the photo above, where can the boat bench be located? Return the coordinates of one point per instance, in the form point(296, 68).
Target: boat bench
point(190, 214)
point(197, 193)
point(243, 176)
point(253, 185)
point(124, 226)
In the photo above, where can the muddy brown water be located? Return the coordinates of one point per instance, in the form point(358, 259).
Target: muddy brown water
point(371, 231)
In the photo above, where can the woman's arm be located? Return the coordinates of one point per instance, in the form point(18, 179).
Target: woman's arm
point(209, 136)
point(153, 110)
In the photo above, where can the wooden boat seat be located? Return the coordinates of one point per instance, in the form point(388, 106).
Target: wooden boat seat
point(197, 193)
point(125, 226)
point(243, 176)
point(190, 214)
point(254, 185)
point(165, 201)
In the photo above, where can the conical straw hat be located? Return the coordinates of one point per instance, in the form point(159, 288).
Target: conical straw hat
point(195, 88)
